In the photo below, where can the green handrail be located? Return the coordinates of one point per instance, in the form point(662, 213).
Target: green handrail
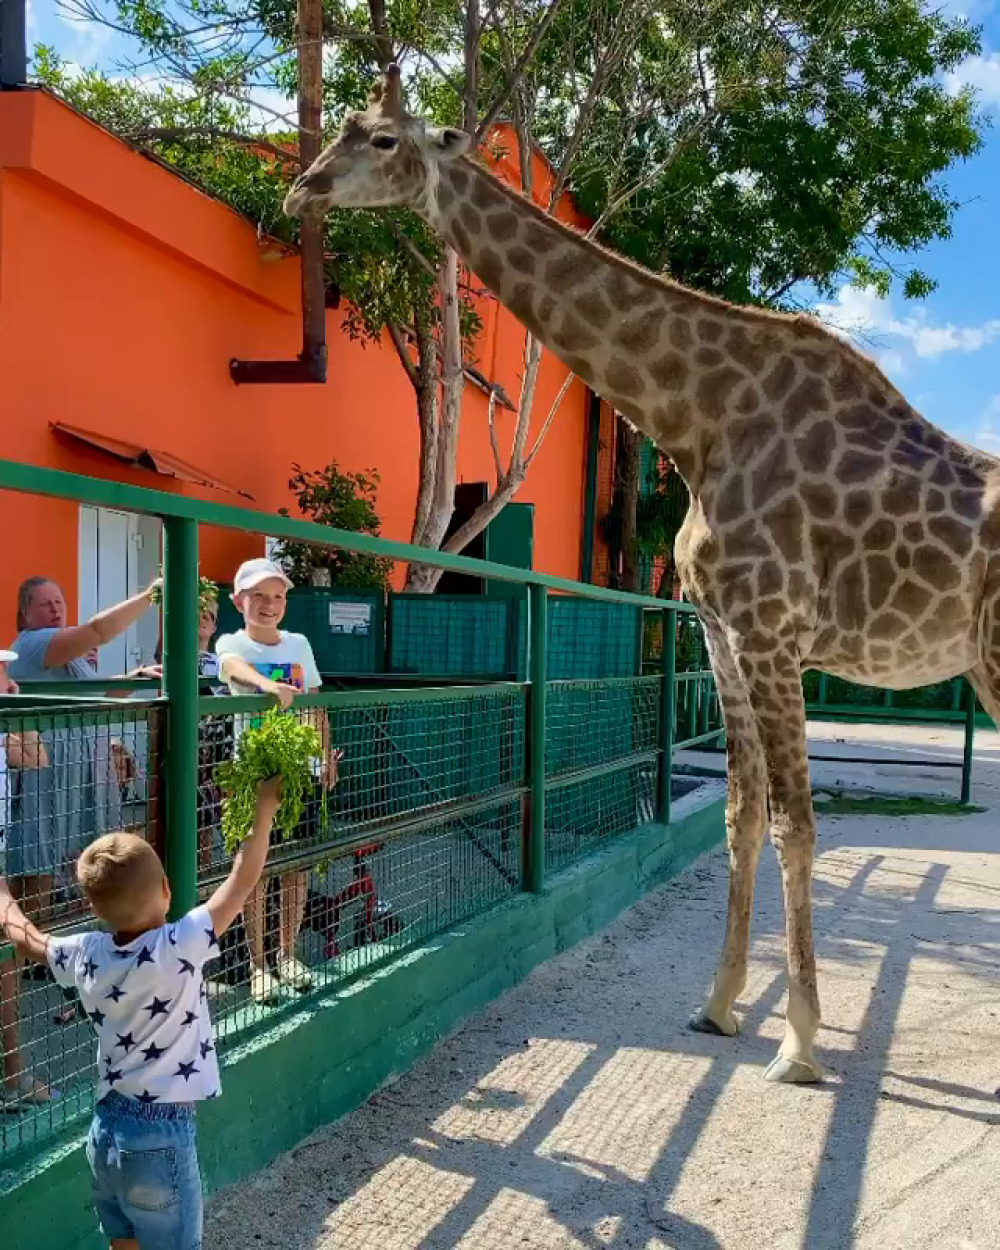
point(98, 492)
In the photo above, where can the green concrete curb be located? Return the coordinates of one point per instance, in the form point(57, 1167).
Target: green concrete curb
point(355, 1039)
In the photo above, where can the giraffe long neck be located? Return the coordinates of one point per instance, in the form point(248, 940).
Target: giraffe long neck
point(647, 346)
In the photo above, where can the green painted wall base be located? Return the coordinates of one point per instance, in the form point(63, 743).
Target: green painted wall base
point(322, 1063)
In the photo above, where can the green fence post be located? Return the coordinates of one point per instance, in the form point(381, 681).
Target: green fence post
point(970, 731)
point(667, 715)
point(180, 685)
point(534, 876)
point(821, 689)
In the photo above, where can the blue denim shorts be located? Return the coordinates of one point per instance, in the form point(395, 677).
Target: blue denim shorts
point(145, 1173)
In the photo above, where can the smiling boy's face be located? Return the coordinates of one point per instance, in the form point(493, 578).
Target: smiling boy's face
point(263, 606)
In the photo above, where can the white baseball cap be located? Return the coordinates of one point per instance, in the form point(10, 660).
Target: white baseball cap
point(252, 572)
point(7, 656)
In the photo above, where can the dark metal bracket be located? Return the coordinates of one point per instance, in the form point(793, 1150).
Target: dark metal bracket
point(308, 367)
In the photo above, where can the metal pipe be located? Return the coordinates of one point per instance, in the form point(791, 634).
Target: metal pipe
point(310, 65)
point(970, 732)
point(13, 45)
point(311, 363)
point(180, 686)
point(667, 714)
point(534, 860)
point(590, 486)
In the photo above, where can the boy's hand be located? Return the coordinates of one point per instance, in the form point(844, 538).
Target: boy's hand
point(284, 693)
point(331, 769)
point(8, 685)
point(269, 794)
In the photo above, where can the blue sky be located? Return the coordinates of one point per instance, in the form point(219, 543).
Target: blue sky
point(942, 352)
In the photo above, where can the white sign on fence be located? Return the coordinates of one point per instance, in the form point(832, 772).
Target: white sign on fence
point(351, 618)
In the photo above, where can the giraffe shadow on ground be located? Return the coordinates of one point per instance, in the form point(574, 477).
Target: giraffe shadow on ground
point(573, 1112)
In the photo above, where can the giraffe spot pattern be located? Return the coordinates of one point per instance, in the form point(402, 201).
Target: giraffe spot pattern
point(521, 259)
point(503, 226)
point(593, 308)
point(815, 448)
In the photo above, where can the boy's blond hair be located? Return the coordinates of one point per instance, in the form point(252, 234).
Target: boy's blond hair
point(120, 874)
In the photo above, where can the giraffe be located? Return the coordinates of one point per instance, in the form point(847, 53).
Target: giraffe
point(830, 526)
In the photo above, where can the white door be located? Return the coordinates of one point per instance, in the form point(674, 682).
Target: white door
point(119, 554)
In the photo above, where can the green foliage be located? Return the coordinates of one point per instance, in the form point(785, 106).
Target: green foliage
point(280, 746)
point(755, 152)
point(838, 803)
point(345, 501)
point(208, 592)
point(778, 146)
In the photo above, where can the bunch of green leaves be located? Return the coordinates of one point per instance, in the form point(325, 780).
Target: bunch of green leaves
point(208, 592)
point(346, 501)
point(280, 746)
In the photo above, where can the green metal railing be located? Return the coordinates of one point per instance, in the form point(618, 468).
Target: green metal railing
point(451, 797)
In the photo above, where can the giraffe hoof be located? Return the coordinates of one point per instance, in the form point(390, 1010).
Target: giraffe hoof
point(702, 1023)
point(793, 1072)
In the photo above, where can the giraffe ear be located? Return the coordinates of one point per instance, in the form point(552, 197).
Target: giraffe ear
point(448, 142)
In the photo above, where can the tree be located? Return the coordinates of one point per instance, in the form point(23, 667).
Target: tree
point(345, 501)
point(760, 152)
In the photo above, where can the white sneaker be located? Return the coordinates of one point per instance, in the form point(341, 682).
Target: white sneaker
point(293, 973)
point(264, 989)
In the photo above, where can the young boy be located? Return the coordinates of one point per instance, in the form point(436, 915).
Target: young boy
point(142, 987)
point(263, 658)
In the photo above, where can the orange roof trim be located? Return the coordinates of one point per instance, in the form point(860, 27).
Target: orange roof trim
point(161, 462)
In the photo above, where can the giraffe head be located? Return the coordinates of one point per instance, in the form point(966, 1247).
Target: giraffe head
point(382, 156)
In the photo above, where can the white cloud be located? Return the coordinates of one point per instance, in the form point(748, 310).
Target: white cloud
point(981, 73)
point(892, 362)
point(863, 314)
point(85, 41)
point(987, 435)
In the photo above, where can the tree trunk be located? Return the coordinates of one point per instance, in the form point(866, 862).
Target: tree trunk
point(629, 449)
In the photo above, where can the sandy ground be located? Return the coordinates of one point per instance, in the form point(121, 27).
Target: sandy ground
point(579, 1112)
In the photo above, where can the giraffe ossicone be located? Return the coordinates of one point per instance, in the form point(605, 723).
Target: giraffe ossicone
point(830, 526)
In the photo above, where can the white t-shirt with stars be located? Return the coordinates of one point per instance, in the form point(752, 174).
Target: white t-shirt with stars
point(148, 1004)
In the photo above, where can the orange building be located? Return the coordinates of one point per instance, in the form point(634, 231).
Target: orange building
point(124, 293)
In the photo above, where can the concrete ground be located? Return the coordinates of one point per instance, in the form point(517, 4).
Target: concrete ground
point(579, 1112)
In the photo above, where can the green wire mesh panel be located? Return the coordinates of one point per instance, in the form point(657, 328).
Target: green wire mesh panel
point(371, 903)
point(456, 635)
point(580, 817)
point(423, 829)
point(588, 639)
point(591, 725)
point(594, 722)
point(73, 773)
point(944, 696)
point(400, 759)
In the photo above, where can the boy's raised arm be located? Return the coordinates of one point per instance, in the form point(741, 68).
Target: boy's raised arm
point(26, 938)
point(227, 901)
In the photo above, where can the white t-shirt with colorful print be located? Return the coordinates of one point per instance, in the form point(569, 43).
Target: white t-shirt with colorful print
point(289, 660)
point(149, 1007)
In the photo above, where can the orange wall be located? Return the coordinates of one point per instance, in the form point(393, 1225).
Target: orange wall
point(124, 292)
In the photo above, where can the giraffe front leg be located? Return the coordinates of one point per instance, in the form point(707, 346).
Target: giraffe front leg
point(773, 679)
point(746, 818)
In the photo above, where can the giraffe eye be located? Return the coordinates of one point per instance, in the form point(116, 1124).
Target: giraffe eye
point(385, 142)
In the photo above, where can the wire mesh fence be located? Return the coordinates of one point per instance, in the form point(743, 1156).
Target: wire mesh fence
point(71, 773)
point(445, 801)
point(581, 816)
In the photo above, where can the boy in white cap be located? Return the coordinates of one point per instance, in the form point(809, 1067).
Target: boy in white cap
point(263, 658)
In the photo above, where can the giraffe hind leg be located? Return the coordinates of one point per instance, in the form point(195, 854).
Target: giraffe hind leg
point(746, 822)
